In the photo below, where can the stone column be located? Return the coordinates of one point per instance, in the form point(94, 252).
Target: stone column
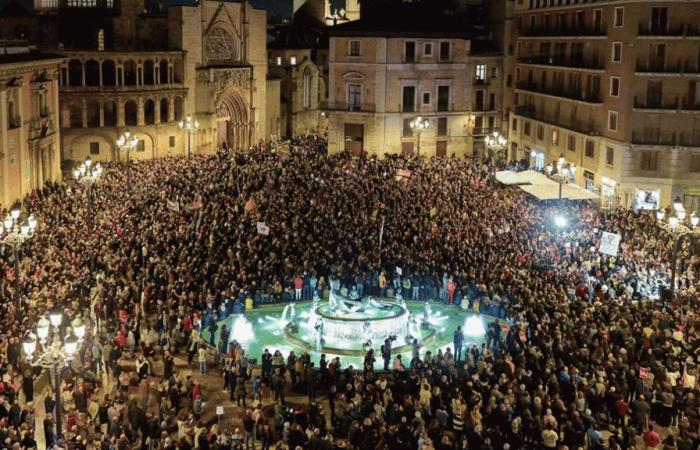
point(116, 75)
point(120, 112)
point(83, 106)
point(171, 108)
point(157, 111)
point(82, 68)
point(102, 113)
point(139, 112)
point(99, 65)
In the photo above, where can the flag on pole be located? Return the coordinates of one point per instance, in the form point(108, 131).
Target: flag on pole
point(250, 205)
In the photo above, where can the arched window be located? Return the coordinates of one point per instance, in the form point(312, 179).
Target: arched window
point(93, 114)
point(178, 108)
point(92, 73)
point(131, 113)
point(109, 109)
point(164, 110)
point(76, 115)
point(149, 112)
point(109, 73)
point(129, 73)
point(148, 73)
point(163, 69)
point(75, 72)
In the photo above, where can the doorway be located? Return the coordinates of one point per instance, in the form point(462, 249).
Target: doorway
point(354, 138)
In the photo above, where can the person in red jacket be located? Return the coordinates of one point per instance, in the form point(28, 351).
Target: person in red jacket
point(298, 284)
point(451, 287)
point(621, 411)
point(651, 438)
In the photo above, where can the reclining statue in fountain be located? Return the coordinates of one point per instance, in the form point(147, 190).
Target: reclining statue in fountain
point(341, 303)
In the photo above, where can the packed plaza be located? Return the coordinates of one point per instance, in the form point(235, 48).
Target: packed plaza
point(587, 353)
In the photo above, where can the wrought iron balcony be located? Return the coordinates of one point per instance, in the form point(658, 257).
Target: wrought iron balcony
point(561, 61)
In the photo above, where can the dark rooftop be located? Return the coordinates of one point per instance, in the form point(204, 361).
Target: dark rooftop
point(14, 58)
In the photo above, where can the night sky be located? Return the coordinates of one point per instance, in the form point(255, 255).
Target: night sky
point(283, 7)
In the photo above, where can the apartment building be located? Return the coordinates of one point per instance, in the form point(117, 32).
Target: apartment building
point(614, 87)
point(383, 74)
point(29, 132)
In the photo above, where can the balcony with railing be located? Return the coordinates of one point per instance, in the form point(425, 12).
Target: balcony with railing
point(562, 61)
point(654, 137)
point(691, 66)
point(554, 31)
point(574, 124)
point(557, 91)
point(645, 65)
point(661, 30)
point(350, 107)
point(655, 103)
point(690, 104)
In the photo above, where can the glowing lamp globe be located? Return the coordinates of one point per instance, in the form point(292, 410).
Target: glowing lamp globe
point(42, 329)
point(78, 328)
point(56, 317)
point(71, 345)
point(29, 345)
point(560, 221)
point(474, 327)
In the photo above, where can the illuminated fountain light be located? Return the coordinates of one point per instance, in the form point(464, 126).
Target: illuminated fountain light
point(474, 327)
point(241, 331)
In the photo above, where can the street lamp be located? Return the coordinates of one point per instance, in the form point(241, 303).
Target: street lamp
point(127, 143)
point(87, 174)
point(418, 125)
point(189, 125)
point(15, 232)
point(496, 143)
point(56, 353)
point(674, 223)
point(562, 174)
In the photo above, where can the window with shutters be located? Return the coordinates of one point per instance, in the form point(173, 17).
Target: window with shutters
point(540, 132)
point(612, 120)
point(515, 125)
point(94, 148)
point(527, 129)
point(407, 130)
point(694, 163)
point(442, 126)
point(410, 51)
point(409, 99)
point(590, 149)
point(555, 137)
point(571, 143)
point(609, 156)
point(649, 160)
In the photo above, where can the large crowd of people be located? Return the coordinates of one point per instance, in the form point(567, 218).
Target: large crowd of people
point(167, 248)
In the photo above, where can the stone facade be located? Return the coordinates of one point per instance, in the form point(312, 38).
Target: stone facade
point(302, 89)
point(140, 67)
point(29, 124)
point(614, 87)
point(379, 83)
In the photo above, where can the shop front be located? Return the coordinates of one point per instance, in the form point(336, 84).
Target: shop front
point(537, 160)
point(608, 193)
point(691, 199)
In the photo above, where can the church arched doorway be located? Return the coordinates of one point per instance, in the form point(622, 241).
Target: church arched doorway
point(232, 121)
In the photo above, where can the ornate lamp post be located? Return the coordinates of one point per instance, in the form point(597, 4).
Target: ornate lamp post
point(497, 144)
point(189, 125)
point(127, 143)
point(418, 125)
point(87, 174)
point(16, 232)
point(55, 353)
point(674, 223)
point(563, 172)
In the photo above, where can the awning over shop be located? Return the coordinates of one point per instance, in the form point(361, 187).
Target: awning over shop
point(542, 187)
point(551, 192)
point(525, 177)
